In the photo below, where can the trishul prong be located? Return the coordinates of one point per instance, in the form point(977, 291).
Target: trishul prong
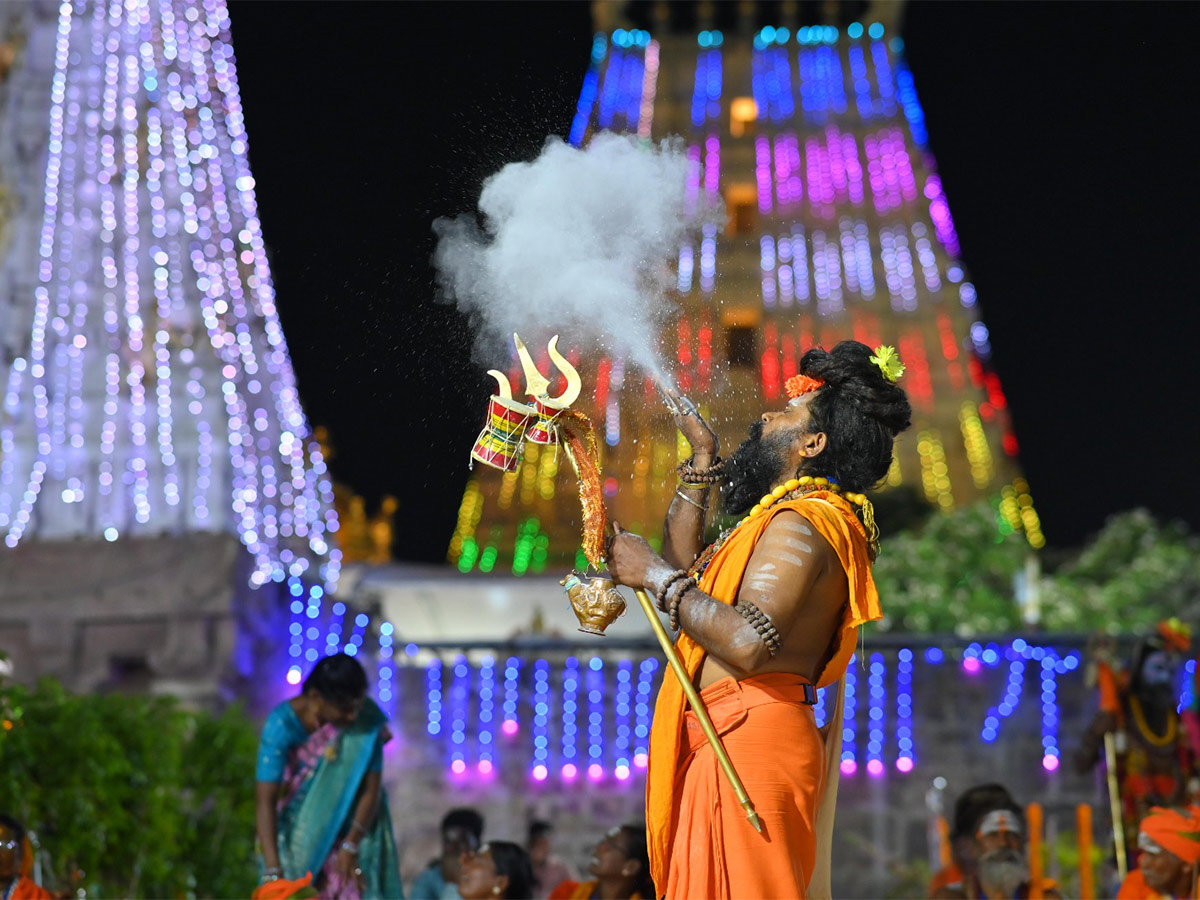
point(537, 385)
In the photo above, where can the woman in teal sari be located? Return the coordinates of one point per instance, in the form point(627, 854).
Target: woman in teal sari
point(320, 805)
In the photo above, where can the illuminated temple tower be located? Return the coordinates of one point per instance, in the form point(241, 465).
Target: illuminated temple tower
point(838, 228)
point(151, 427)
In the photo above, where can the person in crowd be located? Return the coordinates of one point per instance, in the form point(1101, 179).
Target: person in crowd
point(1168, 856)
point(320, 805)
point(1002, 868)
point(548, 869)
point(968, 809)
point(462, 831)
point(1156, 761)
point(620, 869)
point(15, 883)
point(498, 870)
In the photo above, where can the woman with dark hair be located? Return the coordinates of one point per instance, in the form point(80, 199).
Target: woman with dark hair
point(320, 806)
point(499, 870)
point(620, 869)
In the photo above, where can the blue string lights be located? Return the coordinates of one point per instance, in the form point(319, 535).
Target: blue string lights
point(849, 764)
point(387, 667)
point(460, 698)
point(642, 709)
point(469, 707)
point(512, 689)
point(487, 717)
point(877, 696)
point(595, 697)
point(905, 754)
point(570, 711)
point(623, 708)
point(433, 697)
point(541, 720)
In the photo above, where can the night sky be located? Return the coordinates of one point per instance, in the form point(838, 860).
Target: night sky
point(1064, 134)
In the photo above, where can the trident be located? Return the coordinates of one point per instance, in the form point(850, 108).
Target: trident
point(547, 410)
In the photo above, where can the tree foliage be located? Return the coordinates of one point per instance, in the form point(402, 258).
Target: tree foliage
point(956, 572)
point(130, 796)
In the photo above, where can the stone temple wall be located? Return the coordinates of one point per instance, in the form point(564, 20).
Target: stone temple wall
point(169, 615)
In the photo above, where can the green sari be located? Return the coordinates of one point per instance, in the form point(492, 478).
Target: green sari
point(317, 799)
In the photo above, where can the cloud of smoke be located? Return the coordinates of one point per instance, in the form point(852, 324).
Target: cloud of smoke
point(578, 242)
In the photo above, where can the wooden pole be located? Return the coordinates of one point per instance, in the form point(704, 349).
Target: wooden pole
point(1114, 803)
point(1083, 828)
point(693, 697)
point(1033, 817)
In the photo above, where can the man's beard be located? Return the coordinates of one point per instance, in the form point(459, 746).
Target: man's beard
point(1003, 871)
point(755, 467)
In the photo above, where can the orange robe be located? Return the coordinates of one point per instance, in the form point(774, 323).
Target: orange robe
point(700, 842)
point(947, 877)
point(28, 889)
point(580, 890)
point(1134, 887)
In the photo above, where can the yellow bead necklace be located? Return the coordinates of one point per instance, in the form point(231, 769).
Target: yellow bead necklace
point(798, 486)
point(1147, 733)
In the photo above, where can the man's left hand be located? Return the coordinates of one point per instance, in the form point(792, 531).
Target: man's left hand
point(631, 560)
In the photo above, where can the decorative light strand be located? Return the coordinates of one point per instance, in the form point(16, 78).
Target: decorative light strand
point(849, 763)
point(459, 705)
point(877, 695)
point(512, 689)
point(570, 711)
point(486, 734)
point(642, 712)
point(595, 695)
point(905, 754)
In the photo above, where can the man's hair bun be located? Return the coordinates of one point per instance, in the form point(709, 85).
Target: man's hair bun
point(860, 411)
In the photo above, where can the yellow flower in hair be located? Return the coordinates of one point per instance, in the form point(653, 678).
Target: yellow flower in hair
point(889, 362)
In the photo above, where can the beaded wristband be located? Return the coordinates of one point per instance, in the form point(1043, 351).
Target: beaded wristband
point(673, 606)
point(710, 475)
point(767, 632)
point(660, 596)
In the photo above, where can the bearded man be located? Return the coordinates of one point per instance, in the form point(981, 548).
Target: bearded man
point(767, 615)
point(1168, 856)
point(1001, 869)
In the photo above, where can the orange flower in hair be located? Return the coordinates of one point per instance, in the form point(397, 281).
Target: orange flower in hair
point(799, 385)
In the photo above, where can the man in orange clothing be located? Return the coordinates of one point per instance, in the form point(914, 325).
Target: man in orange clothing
point(767, 615)
point(15, 864)
point(1168, 858)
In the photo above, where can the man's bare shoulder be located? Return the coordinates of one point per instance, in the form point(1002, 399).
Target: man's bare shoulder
point(792, 529)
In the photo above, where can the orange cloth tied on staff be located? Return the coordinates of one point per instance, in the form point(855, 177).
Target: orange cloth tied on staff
point(700, 842)
point(1175, 832)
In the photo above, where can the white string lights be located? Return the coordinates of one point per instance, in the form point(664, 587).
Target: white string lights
point(154, 336)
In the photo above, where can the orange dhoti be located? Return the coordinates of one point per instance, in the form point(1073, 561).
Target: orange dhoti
point(771, 735)
point(700, 842)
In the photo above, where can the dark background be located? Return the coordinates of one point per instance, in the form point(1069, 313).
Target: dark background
point(1063, 133)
